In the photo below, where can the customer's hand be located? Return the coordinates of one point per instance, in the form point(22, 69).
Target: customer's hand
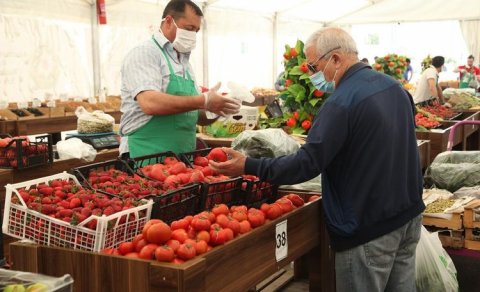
point(234, 166)
point(220, 105)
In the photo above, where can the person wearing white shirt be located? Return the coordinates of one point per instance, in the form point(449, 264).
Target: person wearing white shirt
point(427, 87)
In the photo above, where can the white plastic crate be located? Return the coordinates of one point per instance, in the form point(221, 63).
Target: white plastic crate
point(21, 222)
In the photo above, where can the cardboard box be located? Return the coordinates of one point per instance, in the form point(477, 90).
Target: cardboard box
point(246, 119)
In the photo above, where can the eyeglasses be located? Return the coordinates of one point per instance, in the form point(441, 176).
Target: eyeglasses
point(312, 66)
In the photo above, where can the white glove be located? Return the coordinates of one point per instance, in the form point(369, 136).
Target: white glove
point(218, 104)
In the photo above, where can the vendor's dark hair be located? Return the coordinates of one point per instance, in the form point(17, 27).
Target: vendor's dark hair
point(176, 8)
point(471, 57)
point(408, 60)
point(438, 61)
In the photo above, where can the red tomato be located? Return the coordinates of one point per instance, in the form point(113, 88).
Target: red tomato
point(170, 160)
point(295, 199)
point(125, 247)
point(200, 222)
point(132, 255)
point(140, 244)
point(186, 251)
point(239, 215)
point(318, 93)
point(164, 253)
point(228, 234)
point(223, 220)
point(274, 212)
point(209, 215)
point(173, 244)
point(304, 67)
point(180, 235)
point(220, 209)
point(285, 204)
point(148, 224)
point(159, 172)
point(245, 227)
point(178, 167)
point(313, 198)
point(217, 154)
point(159, 233)
point(148, 251)
point(201, 247)
point(180, 224)
point(241, 208)
point(293, 52)
point(203, 235)
point(291, 122)
point(264, 208)
point(177, 261)
point(188, 218)
point(255, 217)
point(200, 161)
point(306, 124)
point(217, 236)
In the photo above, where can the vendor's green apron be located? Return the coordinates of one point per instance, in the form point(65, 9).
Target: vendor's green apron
point(467, 77)
point(175, 132)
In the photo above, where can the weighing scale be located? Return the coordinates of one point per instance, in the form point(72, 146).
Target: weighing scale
point(98, 140)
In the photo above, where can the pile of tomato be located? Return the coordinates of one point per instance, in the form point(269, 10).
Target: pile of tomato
point(425, 121)
point(440, 111)
point(191, 236)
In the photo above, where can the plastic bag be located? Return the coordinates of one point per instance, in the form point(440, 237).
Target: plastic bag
point(453, 170)
point(265, 143)
point(238, 92)
point(76, 148)
point(11, 277)
point(435, 271)
point(93, 122)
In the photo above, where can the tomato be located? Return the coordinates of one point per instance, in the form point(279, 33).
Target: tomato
point(217, 236)
point(159, 233)
point(234, 225)
point(159, 172)
point(203, 235)
point(177, 261)
point(293, 52)
point(229, 235)
point(180, 235)
point(200, 161)
point(164, 253)
point(304, 67)
point(112, 251)
point(148, 224)
point(220, 209)
point(217, 154)
point(180, 224)
point(295, 199)
point(274, 212)
point(196, 176)
point(170, 160)
point(133, 255)
point(125, 247)
point(188, 218)
point(285, 204)
point(291, 122)
point(239, 215)
point(255, 217)
point(209, 215)
point(172, 182)
point(245, 227)
point(190, 241)
point(201, 247)
point(264, 208)
point(191, 232)
point(136, 239)
point(313, 198)
point(186, 251)
point(148, 251)
point(207, 171)
point(318, 93)
point(241, 208)
point(173, 244)
point(286, 56)
point(140, 244)
point(222, 220)
point(306, 124)
point(178, 167)
point(201, 223)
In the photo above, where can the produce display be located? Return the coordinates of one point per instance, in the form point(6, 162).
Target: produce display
point(191, 236)
point(20, 152)
point(17, 281)
point(58, 211)
point(462, 99)
point(425, 120)
point(264, 92)
point(392, 65)
point(439, 110)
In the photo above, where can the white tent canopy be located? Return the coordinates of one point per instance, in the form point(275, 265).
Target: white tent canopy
point(56, 46)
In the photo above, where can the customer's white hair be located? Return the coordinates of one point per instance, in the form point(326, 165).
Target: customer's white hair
point(329, 38)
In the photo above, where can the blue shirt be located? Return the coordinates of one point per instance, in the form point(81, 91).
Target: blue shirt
point(409, 69)
point(363, 143)
point(145, 68)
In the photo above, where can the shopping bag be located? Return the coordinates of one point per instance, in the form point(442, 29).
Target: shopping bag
point(435, 271)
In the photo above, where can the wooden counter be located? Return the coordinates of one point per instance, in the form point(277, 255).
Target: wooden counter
point(424, 152)
point(236, 266)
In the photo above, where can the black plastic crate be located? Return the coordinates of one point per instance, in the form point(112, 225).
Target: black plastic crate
point(188, 157)
point(177, 204)
point(139, 162)
point(258, 192)
point(224, 192)
point(20, 155)
point(83, 174)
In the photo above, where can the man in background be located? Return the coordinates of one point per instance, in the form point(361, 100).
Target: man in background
point(408, 74)
point(427, 87)
point(469, 74)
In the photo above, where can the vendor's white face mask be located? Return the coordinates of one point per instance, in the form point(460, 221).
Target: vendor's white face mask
point(185, 40)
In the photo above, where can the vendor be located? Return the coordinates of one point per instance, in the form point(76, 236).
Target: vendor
point(160, 101)
point(469, 74)
point(427, 87)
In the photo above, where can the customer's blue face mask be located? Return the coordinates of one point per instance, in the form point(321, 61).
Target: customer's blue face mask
point(318, 80)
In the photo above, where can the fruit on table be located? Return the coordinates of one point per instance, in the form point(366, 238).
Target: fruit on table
point(217, 154)
point(14, 288)
point(38, 287)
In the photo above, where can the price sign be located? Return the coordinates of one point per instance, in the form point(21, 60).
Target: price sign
point(281, 241)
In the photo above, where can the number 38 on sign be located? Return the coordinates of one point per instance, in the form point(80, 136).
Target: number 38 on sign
point(281, 241)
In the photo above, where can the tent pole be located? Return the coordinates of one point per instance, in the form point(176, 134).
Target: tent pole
point(205, 45)
point(95, 49)
point(275, 47)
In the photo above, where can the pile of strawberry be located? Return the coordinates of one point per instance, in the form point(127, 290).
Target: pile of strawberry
point(194, 235)
point(122, 184)
point(66, 201)
point(8, 150)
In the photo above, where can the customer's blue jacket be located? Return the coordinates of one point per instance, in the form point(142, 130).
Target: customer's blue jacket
point(363, 143)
